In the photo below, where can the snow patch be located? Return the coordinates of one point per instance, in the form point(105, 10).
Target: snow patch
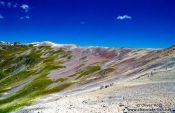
point(54, 45)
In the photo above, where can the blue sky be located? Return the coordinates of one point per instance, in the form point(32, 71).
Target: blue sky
point(113, 23)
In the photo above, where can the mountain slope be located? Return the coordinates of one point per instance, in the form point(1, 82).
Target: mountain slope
point(37, 69)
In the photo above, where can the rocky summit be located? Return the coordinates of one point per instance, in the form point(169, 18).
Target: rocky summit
point(45, 77)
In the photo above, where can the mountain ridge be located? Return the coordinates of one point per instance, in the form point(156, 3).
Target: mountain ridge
point(31, 71)
point(50, 43)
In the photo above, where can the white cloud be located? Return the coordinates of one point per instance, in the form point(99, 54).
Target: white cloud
point(1, 17)
point(25, 7)
point(124, 17)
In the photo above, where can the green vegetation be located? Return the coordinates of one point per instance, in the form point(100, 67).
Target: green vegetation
point(10, 58)
point(15, 105)
point(29, 99)
point(61, 79)
point(39, 61)
point(106, 71)
point(2, 74)
point(57, 88)
point(9, 80)
point(88, 70)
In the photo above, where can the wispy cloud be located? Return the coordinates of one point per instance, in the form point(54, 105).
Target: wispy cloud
point(8, 4)
point(124, 17)
point(25, 7)
point(1, 17)
point(25, 17)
